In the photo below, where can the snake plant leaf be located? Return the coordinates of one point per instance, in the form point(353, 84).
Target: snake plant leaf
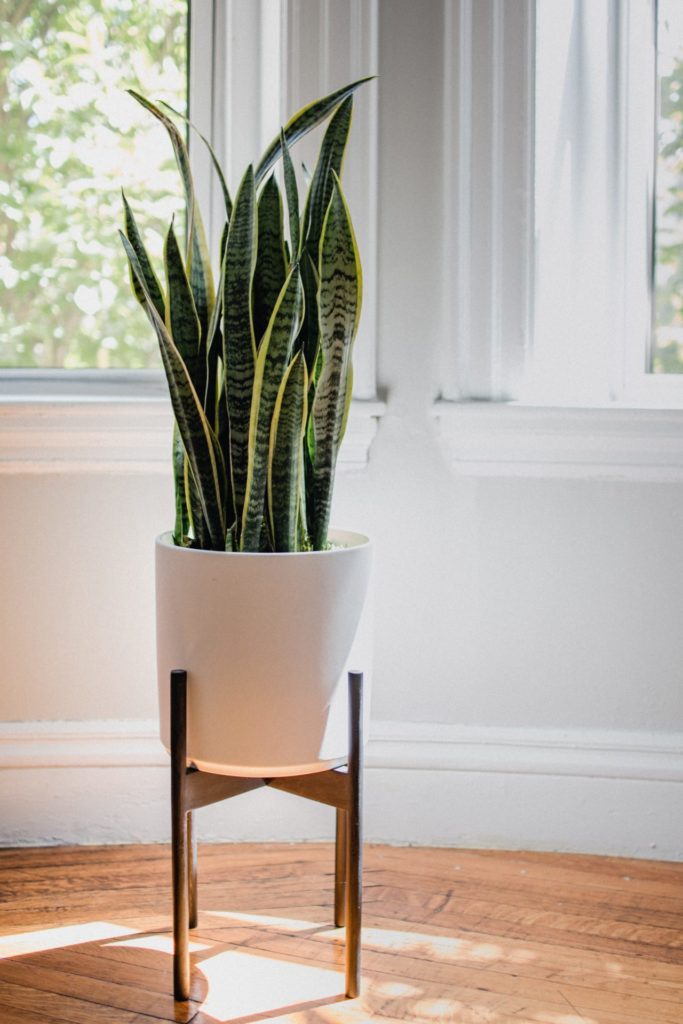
point(271, 363)
point(214, 347)
point(271, 261)
point(330, 159)
point(239, 345)
point(339, 305)
point(302, 122)
point(309, 336)
point(181, 319)
point(135, 239)
point(292, 193)
point(198, 261)
point(214, 159)
point(285, 459)
point(182, 520)
point(199, 440)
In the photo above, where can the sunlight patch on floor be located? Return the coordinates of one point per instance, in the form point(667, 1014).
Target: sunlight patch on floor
point(56, 938)
point(241, 984)
point(158, 943)
point(435, 947)
point(284, 924)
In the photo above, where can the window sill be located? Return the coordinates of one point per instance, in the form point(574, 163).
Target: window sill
point(104, 421)
point(489, 439)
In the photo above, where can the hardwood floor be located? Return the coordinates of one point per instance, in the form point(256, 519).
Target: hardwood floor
point(448, 936)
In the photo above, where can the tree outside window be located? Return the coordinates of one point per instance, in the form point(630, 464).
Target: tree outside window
point(70, 140)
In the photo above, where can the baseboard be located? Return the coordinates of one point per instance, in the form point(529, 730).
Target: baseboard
point(590, 791)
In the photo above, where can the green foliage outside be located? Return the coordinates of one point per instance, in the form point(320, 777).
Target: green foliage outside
point(667, 356)
point(70, 139)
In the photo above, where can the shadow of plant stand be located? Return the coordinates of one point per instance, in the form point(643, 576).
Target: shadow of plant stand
point(338, 787)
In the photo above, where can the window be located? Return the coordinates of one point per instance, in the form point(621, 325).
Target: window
point(71, 138)
point(667, 350)
point(549, 133)
point(603, 334)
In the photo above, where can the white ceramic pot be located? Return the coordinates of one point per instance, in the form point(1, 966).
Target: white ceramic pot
point(264, 639)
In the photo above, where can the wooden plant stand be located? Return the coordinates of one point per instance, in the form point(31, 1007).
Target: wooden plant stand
point(338, 787)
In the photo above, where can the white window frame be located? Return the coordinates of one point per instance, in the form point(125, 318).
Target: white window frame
point(241, 86)
point(569, 398)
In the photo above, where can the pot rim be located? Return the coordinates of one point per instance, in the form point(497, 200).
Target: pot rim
point(351, 540)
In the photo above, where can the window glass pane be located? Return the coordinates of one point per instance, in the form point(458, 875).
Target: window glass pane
point(667, 354)
point(70, 139)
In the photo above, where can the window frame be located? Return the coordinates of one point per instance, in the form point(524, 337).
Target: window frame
point(119, 420)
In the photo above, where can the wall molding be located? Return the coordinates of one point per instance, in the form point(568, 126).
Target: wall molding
point(586, 791)
point(67, 434)
point(498, 439)
point(582, 753)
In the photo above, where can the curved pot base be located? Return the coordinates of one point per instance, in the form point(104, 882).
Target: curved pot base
point(267, 771)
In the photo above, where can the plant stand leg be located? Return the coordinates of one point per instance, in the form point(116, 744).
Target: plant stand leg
point(340, 870)
point(179, 837)
point(354, 855)
point(192, 870)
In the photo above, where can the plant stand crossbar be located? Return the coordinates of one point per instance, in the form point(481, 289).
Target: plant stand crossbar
point(337, 787)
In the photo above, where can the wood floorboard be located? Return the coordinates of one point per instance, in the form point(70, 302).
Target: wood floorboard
point(453, 936)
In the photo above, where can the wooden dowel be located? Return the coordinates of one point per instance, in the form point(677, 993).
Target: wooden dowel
point(192, 870)
point(340, 870)
point(179, 844)
point(354, 856)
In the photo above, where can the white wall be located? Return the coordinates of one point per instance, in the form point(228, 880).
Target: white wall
point(528, 641)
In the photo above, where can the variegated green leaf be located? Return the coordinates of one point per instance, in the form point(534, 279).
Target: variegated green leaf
point(182, 520)
point(153, 286)
point(181, 319)
point(292, 193)
point(198, 261)
point(239, 346)
point(214, 345)
point(302, 122)
point(339, 303)
point(330, 159)
point(271, 262)
point(198, 438)
point(214, 159)
point(309, 335)
point(271, 363)
point(285, 459)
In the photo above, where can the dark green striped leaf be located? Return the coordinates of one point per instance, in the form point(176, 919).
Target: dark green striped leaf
point(214, 159)
point(182, 520)
point(339, 303)
point(292, 193)
point(271, 263)
point(181, 319)
point(271, 363)
point(198, 262)
point(151, 280)
point(285, 461)
point(330, 159)
point(239, 346)
point(302, 122)
point(199, 440)
point(309, 336)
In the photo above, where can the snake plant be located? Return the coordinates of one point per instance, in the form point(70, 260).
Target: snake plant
point(258, 362)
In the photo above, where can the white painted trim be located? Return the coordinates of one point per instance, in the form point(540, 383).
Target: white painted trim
point(581, 753)
point(585, 753)
point(71, 434)
point(328, 45)
point(89, 744)
point(491, 439)
point(488, 128)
